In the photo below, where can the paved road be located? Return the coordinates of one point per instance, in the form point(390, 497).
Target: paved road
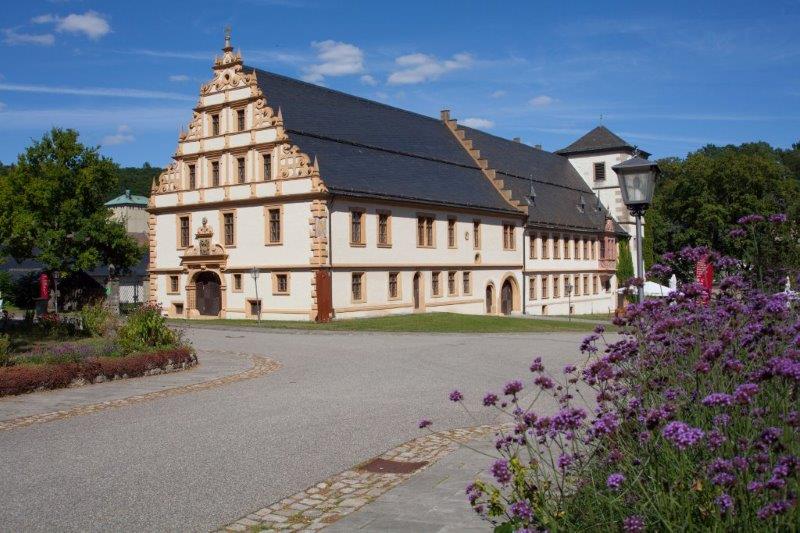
point(201, 460)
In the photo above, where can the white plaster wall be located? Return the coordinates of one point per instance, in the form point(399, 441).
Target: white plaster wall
point(134, 218)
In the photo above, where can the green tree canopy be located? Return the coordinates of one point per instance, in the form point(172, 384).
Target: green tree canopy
point(136, 179)
point(700, 198)
point(624, 262)
point(51, 207)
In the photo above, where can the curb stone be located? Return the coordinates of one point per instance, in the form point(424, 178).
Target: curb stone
point(324, 503)
point(261, 366)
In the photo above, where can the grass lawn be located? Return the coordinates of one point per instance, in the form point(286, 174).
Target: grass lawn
point(432, 322)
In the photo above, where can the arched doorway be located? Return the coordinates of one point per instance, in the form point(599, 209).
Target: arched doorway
point(208, 296)
point(490, 299)
point(506, 298)
point(417, 291)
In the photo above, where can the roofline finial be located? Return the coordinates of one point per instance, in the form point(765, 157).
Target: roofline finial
point(228, 38)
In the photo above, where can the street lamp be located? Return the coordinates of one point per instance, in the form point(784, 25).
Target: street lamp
point(568, 288)
point(254, 274)
point(637, 181)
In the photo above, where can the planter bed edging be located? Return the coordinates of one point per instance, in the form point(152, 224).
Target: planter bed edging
point(22, 379)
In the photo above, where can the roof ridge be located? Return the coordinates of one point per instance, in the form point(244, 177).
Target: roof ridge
point(342, 93)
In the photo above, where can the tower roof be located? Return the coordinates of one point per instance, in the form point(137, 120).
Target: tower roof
point(128, 199)
point(600, 139)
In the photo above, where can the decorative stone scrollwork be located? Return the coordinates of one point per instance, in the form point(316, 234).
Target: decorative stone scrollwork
point(195, 128)
point(169, 180)
point(292, 163)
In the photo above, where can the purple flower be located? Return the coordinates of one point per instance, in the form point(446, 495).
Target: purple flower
point(520, 509)
point(424, 423)
point(737, 233)
point(512, 387)
point(500, 471)
point(490, 399)
point(750, 219)
point(745, 392)
point(633, 524)
point(724, 502)
point(544, 382)
point(717, 398)
point(537, 365)
point(606, 424)
point(775, 508)
point(681, 434)
point(615, 481)
point(564, 460)
point(456, 396)
point(569, 369)
point(778, 218)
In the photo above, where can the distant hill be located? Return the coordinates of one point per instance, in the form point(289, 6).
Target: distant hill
point(137, 179)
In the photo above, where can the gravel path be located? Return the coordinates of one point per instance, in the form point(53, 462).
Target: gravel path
point(198, 461)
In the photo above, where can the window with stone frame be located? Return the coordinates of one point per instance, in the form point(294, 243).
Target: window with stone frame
point(274, 235)
point(357, 286)
point(557, 247)
point(267, 166)
point(393, 285)
point(357, 227)
point(597, 285)
point(532, 288)
point(466, 283)
point(557, 287)
point(577, 285)
point(436, 289)
point(237, 282)
point(240, 169)
point(452, 288)
point(425, 231)
point(384, 229)
point(509, 243)
point(546, 247)
point(282, 283)
point(533, 246)
point(229, 228)
point(215, 124)
point(215, 173)
point(240, 120)
point(545, 288)
point(568, 243)
point(174, 284)
point(192, 177)
point(452, 241)
point(185, 232)
point(587, 254)
point(476, 234)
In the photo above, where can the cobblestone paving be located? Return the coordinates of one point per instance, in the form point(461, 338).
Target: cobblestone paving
point(261, 366)
point(334, 498)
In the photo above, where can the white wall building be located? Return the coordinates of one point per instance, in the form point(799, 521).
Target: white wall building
point(293, 201)
point(593, 156)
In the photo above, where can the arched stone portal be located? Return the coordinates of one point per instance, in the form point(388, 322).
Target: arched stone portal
point(208, 293)
point(510, 300)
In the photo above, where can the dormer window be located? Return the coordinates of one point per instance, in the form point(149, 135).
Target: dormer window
point(599, 171)
point(582, 205)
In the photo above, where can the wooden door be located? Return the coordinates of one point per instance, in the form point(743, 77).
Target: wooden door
point(208, 295)
point(324, 296)
point(506, 298)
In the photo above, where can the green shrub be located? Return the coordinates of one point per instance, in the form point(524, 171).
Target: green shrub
point(146, 328)
point(5, 349)
point(97, 320)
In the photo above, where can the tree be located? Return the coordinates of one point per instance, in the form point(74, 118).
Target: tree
point(700, 198)
point(136, 179)
point(624, 262)
point(51, 207)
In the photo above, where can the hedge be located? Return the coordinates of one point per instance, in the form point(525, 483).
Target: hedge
point(20, 379)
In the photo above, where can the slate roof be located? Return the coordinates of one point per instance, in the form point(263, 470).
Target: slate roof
point(370, 149)
point(600, 139)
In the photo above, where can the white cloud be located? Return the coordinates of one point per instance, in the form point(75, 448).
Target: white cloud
point(498, 94)
point(418, 68)
point(122, 136)
point(91, 24)
point(541, 101)
point(366, 79)
point(179, 77)
point(95, 91)
point(14, 38)
point(381, 95)
point(335, 59)
point(478, 123)
point(43, 19)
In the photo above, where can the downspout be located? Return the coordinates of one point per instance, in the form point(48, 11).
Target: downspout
point(524, 295)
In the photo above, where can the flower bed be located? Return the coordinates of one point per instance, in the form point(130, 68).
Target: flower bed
point(23, 378)
point(692, 422)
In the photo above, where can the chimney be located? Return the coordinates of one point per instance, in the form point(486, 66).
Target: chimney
point(517, 140)
point(444, 114)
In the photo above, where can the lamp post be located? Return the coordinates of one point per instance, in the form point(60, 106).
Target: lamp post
point(254, 274)
point(56, 277)
point(568, 288)
point(637, 181)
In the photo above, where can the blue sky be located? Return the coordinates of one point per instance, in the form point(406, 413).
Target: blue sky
point(667, 76)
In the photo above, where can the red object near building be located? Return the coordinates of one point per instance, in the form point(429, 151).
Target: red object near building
point(704, 275)
point(44, 286)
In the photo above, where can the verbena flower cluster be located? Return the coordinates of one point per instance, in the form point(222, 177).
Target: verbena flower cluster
point(687, 420)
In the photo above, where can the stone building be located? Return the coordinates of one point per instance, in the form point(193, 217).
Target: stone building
point(288, 200)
